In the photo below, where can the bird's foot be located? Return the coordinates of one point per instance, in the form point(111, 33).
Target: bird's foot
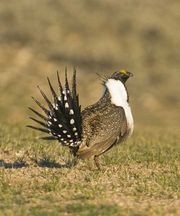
point(96, 162)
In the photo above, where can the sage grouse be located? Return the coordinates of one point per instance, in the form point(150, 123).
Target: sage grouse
point(98, 127)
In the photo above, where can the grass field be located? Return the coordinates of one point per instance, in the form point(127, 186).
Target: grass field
point(140, 177)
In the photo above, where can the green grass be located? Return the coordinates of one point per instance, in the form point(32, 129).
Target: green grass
point(139, 177)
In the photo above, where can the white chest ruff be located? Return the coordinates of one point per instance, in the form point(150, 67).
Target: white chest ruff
point(119, 98)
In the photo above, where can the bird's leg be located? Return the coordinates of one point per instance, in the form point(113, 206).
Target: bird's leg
point(96, 161)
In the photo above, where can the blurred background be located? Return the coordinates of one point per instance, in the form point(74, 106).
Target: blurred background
point(37, 38)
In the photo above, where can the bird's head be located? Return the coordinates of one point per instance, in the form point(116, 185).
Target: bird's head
point(121, 75)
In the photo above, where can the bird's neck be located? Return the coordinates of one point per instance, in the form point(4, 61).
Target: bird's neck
point(106, 95)
point(115, 91)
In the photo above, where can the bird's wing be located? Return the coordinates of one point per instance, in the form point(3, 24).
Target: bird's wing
point(98, 148)
point(101, 132)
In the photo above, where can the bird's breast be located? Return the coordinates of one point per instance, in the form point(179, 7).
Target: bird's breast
point(129, 119)
point(119, 98)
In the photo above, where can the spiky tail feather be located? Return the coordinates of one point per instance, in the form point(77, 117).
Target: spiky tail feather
point(62, 119)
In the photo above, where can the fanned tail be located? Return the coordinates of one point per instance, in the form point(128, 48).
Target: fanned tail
point(62, 119)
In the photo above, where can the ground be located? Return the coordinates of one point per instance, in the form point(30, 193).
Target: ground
point(139, 177)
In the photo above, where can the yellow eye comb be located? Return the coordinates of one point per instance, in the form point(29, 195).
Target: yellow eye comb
point(123, 71)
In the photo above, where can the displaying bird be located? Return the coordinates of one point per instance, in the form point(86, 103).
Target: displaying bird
point(93, 131)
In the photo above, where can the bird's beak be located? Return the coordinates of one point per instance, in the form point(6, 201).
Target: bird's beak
point(130, 74)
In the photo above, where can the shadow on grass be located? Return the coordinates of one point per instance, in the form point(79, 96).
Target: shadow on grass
point(13, 165)
point(44, 162)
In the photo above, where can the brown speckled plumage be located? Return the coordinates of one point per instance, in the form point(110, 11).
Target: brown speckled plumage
point(101, 121)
